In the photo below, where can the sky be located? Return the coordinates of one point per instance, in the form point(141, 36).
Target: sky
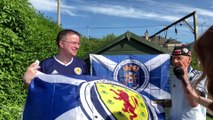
point(99, 18)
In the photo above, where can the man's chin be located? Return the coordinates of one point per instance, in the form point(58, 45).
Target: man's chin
point(74, 54)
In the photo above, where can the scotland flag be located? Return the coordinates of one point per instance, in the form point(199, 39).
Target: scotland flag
point(57, 97)
point(147, 74)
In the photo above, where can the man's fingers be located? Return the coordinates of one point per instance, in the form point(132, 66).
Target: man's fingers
point(34, 66)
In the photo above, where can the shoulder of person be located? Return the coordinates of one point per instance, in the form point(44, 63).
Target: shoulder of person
point(47, 61)
point(78, 59)
point(194, 74)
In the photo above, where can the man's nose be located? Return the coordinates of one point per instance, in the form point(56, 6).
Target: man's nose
point(176, 61)
point(77, 45)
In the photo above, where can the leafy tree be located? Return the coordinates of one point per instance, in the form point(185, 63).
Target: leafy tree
point(25, 35)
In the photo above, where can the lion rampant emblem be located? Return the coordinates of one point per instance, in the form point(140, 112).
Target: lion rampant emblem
point(128, 107)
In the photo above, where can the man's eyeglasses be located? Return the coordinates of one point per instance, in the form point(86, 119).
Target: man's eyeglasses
point(74, 43)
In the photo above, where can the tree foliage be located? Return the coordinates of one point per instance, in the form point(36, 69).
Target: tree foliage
point(90, 44)
point(25, 35)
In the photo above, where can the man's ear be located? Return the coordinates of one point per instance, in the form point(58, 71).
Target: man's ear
point(190, 60)
point(61, 45)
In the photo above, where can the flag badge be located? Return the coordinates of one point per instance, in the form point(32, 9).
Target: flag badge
point(113, 100)
point(129, 72)
point(78, 70)
point(123, 103)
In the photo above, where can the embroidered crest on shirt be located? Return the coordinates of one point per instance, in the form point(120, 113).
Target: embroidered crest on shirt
point(78, 70)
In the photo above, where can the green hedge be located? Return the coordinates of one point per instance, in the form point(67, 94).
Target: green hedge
point(25, 35)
